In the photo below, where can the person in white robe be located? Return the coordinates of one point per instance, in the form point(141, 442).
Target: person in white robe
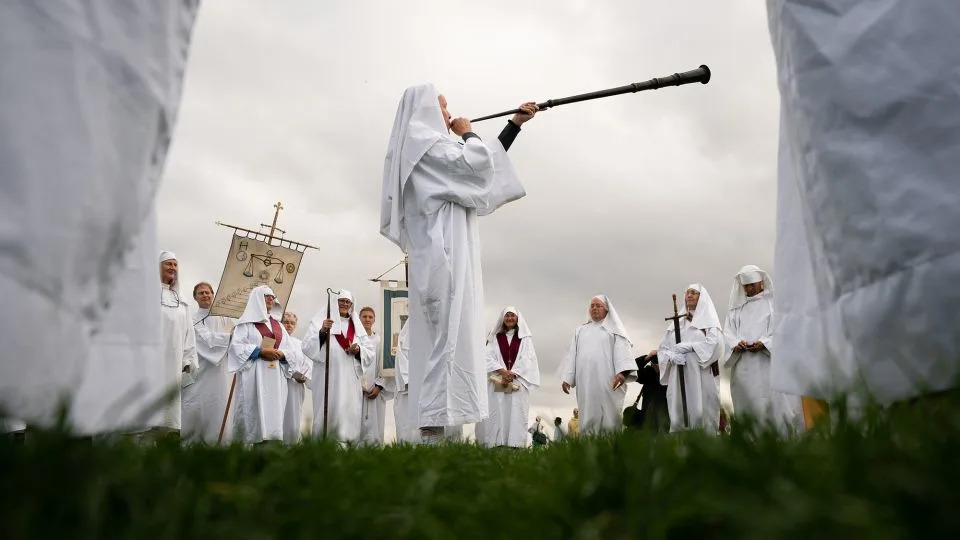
point(180, 363)
point(867, 251)
point(512, 370)
point(205, 400)
point(260, 353)
point(697, 354)
point(748, 336)
point(296, 385)
point(349, 348)
point(598, 364)
point(75, 227)
point(374, 384)
point(434, 188)
point(407, 432)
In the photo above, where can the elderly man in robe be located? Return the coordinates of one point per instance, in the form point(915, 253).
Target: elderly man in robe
point(513, 370)
point(179, 343)
point(349, 348)
point(697, 353)
point(375, 395)
point(206, 399)
point(260, 354)
point(598, 364)
point(748, 334)
point(302, 371)
point(434, 188)
point(867, 253)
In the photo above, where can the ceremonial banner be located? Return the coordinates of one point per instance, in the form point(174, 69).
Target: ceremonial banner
point(253, 262)
point(395, 312)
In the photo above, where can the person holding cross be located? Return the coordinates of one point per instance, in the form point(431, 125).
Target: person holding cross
point(697, 350)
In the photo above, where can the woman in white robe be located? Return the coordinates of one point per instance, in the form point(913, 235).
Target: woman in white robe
point(262, 370)
point(700, 348)
point(748, 336)
point(598, 364)
point(346, 337)
point(512, 359)
point(205, 400)
point(302, 369)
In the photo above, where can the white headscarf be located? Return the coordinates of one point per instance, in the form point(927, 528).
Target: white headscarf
point(418, 125)
point(705, 315)
point(334, 308)
point(256, 310)
point(170, 256)
point(522, 329)
point(748, 274)
point(612, 322)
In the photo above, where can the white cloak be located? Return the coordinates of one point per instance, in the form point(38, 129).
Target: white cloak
point(750, 371)
point(261, 391)
point(205, 400)
point(345, 405)
point(293, 413)
point(595, 355)
point(373, 411)
point(434, 188)
point(867, 250)
point(506, 425)
point(179, 351)
point(88, 100)
point(702, 388)
point(122, 384)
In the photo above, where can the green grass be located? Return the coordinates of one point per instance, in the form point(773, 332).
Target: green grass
point(893, 475)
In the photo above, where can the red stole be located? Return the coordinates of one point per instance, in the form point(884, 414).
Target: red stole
point(508, 352)
point(346, 341)
point(276, 334)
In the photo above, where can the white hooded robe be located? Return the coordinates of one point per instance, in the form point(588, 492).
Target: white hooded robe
point(205, 400)
point(506, 425)
point(434, 189)
point(261, 390)
point(597, 352)
point(702, 388)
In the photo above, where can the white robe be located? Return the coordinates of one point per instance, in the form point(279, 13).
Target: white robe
point(205, 400)
point(506, 425)
point(179, 351)
point(261, 391)
point(595, 355)
point(867, 250)
point(407, 432)
point(446, 190)
point(374, 410)
point(293, 413)
point(702, 388)
point(344, 415)
point(750, 371)
point(88, 100)
point(123, 378)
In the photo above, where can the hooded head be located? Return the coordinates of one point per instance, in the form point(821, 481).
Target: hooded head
point(256, 310)
point(418, 125)
point(611, 321)
point(752, 277)
point(705, 314)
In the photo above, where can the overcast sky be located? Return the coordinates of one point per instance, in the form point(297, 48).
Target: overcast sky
point(634, 196)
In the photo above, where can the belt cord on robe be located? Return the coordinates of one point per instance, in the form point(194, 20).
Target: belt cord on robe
point(680, 377)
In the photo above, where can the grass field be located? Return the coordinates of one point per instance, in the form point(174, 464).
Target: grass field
point(894, 474)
